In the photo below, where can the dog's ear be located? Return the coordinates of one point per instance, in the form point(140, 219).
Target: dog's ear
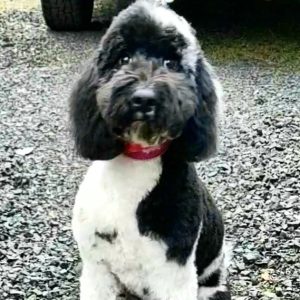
point(199, 138)
point(93, 138)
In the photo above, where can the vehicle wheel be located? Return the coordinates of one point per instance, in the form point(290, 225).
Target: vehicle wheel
point(67, 14)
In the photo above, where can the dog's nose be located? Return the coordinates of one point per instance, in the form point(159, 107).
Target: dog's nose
point(144, 101)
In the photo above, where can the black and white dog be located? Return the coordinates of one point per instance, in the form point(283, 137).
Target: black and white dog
point(144, 111)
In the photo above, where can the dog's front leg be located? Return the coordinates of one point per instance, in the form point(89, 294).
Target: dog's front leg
point(174, 286)
point(97, 283)
point(186, 292)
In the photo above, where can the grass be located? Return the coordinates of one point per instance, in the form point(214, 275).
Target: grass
point(261, 46)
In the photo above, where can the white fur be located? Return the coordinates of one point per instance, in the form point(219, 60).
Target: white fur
point(107, 202)
point(92, 275)
point(168, 18)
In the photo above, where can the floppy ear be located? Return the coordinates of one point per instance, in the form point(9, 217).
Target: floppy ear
point(199, 138)
point(93, 138)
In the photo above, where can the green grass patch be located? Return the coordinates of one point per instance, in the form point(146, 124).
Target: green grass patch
point(264, 47)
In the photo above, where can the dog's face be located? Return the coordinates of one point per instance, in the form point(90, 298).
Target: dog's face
point(148, 84)
point(147, 99)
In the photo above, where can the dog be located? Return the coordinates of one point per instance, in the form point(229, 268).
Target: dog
point(144, 111)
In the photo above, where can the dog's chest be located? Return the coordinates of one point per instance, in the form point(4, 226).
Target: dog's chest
point(104, 222)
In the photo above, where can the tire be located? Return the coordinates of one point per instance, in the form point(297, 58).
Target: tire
point(67, 14)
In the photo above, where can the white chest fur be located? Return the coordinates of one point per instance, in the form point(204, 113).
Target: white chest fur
point(108, 198)
point(106, 203)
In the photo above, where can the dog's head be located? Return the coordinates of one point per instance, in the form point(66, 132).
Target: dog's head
point(147, 99)
point(149, 83)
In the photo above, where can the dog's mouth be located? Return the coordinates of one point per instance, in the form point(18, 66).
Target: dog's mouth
point(144, 134)
point(142, 142)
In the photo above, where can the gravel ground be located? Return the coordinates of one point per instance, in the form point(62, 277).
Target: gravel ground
point(255, 177)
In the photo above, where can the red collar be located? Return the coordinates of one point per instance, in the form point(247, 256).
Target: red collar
point(139, 152)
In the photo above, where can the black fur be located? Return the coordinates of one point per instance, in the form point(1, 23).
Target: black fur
point(93, 137)
point(174, 210)
point(221, 296)
point(199, 139)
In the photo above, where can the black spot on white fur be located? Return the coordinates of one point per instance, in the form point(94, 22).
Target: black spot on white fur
point(145, 291)
point(107, 236)
point(129, 295)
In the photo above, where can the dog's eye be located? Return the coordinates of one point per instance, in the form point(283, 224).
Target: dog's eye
point(170, 64)
point(125, 60)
